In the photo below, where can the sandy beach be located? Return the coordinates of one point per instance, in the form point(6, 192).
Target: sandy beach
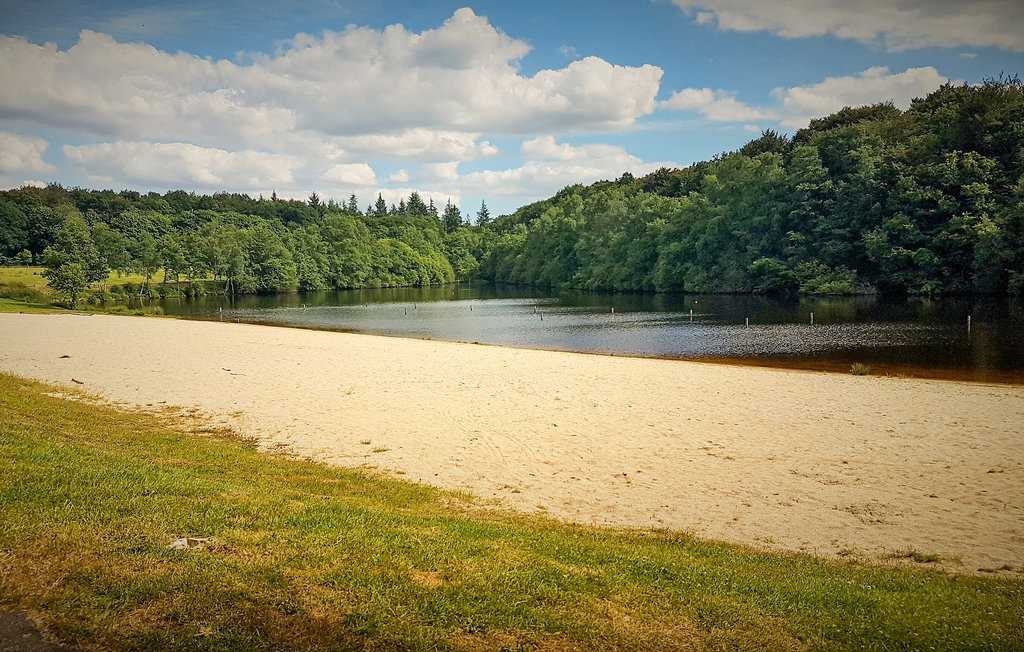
point(829, 464)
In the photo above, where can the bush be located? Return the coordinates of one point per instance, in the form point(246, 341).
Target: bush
point(21, 292)
point(858, 369)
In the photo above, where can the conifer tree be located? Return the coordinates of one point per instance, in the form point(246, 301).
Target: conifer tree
point(483, 216)
point(452, 218)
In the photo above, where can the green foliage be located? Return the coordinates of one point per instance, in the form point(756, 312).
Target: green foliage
point(73, 262)
point(244, 245)
point(867, 199)
point(304, 556)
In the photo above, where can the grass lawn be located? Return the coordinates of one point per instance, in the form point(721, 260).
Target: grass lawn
point(33, 277)
point(303, 556)
point(13, 305)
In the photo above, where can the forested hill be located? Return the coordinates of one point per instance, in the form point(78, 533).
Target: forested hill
point(870, 198)
point(873, 198)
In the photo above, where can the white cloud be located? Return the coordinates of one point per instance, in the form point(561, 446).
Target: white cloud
point(801, 103)
point(716, 106)
point(568, 51)
point(182, 165)
point(404, 91)
point(419, 145)
point(22, 154)
point(550, 165)
point(352, 174)
point(448, 171)
point(898, 24)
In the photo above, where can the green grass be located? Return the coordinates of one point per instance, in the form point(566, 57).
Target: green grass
point(13, 305)
point(304, 556)
point(33, 277)
point(859, 369)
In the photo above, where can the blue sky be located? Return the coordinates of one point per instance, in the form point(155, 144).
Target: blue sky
point(492, 100)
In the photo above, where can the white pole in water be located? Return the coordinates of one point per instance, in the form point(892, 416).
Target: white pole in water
point(613, 310)
point(748, 321)
point(968, 324)
point(812, 319)
point(691, 315)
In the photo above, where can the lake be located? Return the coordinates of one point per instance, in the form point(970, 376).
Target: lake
point(914, 336)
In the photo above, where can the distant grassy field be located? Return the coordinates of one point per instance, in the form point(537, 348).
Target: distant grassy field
point(299, 555)
point(33, 277)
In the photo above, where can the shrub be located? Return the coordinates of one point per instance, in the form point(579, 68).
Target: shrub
point(858, 369)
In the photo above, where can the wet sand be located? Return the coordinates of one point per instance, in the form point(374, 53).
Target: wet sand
point(829, 464)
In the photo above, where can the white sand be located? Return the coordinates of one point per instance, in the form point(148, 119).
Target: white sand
point(823, 463)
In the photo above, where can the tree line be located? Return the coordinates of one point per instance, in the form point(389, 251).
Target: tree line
point(235, 243)
point(927, 200)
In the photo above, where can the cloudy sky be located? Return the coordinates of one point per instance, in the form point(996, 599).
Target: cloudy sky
point(496, 100)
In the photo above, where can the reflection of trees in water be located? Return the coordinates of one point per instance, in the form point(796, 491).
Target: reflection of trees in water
point(883, 332)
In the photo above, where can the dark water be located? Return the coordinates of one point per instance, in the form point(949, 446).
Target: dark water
point(916, 336)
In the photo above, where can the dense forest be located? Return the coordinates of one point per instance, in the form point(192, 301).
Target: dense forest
point(927, 200)
point(244, 245)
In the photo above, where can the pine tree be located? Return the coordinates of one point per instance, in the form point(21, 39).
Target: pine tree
point(416, 206)
point(483, 216)
point(380, 209)
point(452, 218)
point(353, 204)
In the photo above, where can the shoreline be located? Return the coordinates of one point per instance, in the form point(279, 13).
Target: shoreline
point(904, 371)
point(831, 464)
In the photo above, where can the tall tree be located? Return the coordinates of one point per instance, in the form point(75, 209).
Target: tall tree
point(452, 218)
point(483, 216)
point(415, 206)
point(73, 262)
point(380, 209)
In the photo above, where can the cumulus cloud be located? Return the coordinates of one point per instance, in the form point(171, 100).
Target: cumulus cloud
point(801, 103)
point(461, 78)
point(419, 145)
point(897, 24)
point(797, 105)
point(183, 165)
point(717, 106)
point(550, 165)
point(21, 154)
point(351, 174)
